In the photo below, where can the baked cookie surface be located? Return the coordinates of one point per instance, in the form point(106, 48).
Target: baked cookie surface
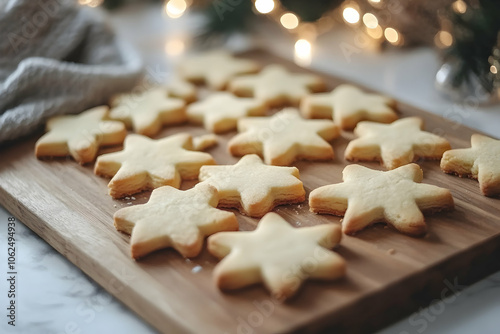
point(395, 144)
point(284, 138)
point(254, 187)
point(369, 196)
point(182, 89)
point(174, 218)
point(147, 112)
point(481, 161)
point(348, 105)
point(221, 111)
point(277, 255)
point(146, 164)
point(215, 68)
point(276, 86)
point(80, 136)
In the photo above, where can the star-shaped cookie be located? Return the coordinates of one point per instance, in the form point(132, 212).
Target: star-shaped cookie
point(220, 111)
point(284, 138)
point(174, 218)
point(177, 87)
point(276, 86)
point(481, 162)
point(395, 144)
point(369, 196)
point(148, 111)
point(215, 68)
point(349, 105)
point(80, 135)
point(254, 187)
point(276, 254)
point(146, 164)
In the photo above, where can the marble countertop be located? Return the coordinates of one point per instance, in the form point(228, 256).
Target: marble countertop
point(54, 296)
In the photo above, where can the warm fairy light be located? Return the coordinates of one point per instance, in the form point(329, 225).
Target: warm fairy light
point(493, 69)
point(264, 6)
point(175, 47)
point(459, 6)
point(391, 35)
point(351, 15)
point(370, 20)
point(375, 1)
point(289, 20)
point(175, 8)
point(376, 32)
point(443, 39)
point(90, 3)
point(303, 52)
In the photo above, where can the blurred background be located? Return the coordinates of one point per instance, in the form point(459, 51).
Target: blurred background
point(441, 56)
point(464, 35)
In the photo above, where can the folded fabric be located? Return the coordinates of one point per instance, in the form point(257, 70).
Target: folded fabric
point(55, 58)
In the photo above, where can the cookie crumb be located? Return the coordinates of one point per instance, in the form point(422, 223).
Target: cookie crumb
point(196, 269)
point(115, 206)
point(391, 251)
point(127, 197)
point(129, 203)
point(132, 198)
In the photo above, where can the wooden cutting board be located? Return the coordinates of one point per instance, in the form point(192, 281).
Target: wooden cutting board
point(68, 206)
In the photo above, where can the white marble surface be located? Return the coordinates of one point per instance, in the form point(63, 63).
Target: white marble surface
point(53, 296)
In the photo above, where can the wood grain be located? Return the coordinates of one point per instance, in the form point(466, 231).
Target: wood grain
point(68, 206)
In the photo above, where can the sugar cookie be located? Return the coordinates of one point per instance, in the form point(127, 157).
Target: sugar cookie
point(349, 105)
point(276, 86)
point(254, 187)
point(369, 196)
point(182, 89)
point(278, 255)
point(215, 68)
point(220, 111)
point(146, 164)
point(481, 162)
point(80, 135)
point(203, 142)
point(148, 111)
point(284, 138)
point(174, 218)
point(395, 144)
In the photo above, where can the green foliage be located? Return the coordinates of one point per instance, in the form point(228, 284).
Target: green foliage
point(310, 11)
point(475, 34)
point(227, 16)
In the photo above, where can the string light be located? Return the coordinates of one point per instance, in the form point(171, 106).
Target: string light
point(370, 20)
point(443, 39)
point(391, 35)
point(350, 15)
point(303, 51)
point(175, 46)
point(308, 31)
point(375, 33)
point(459, 6)
point(264, 6)
point(493, 69)
point(289, 20)
point(175, 8)
point(90, 3)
